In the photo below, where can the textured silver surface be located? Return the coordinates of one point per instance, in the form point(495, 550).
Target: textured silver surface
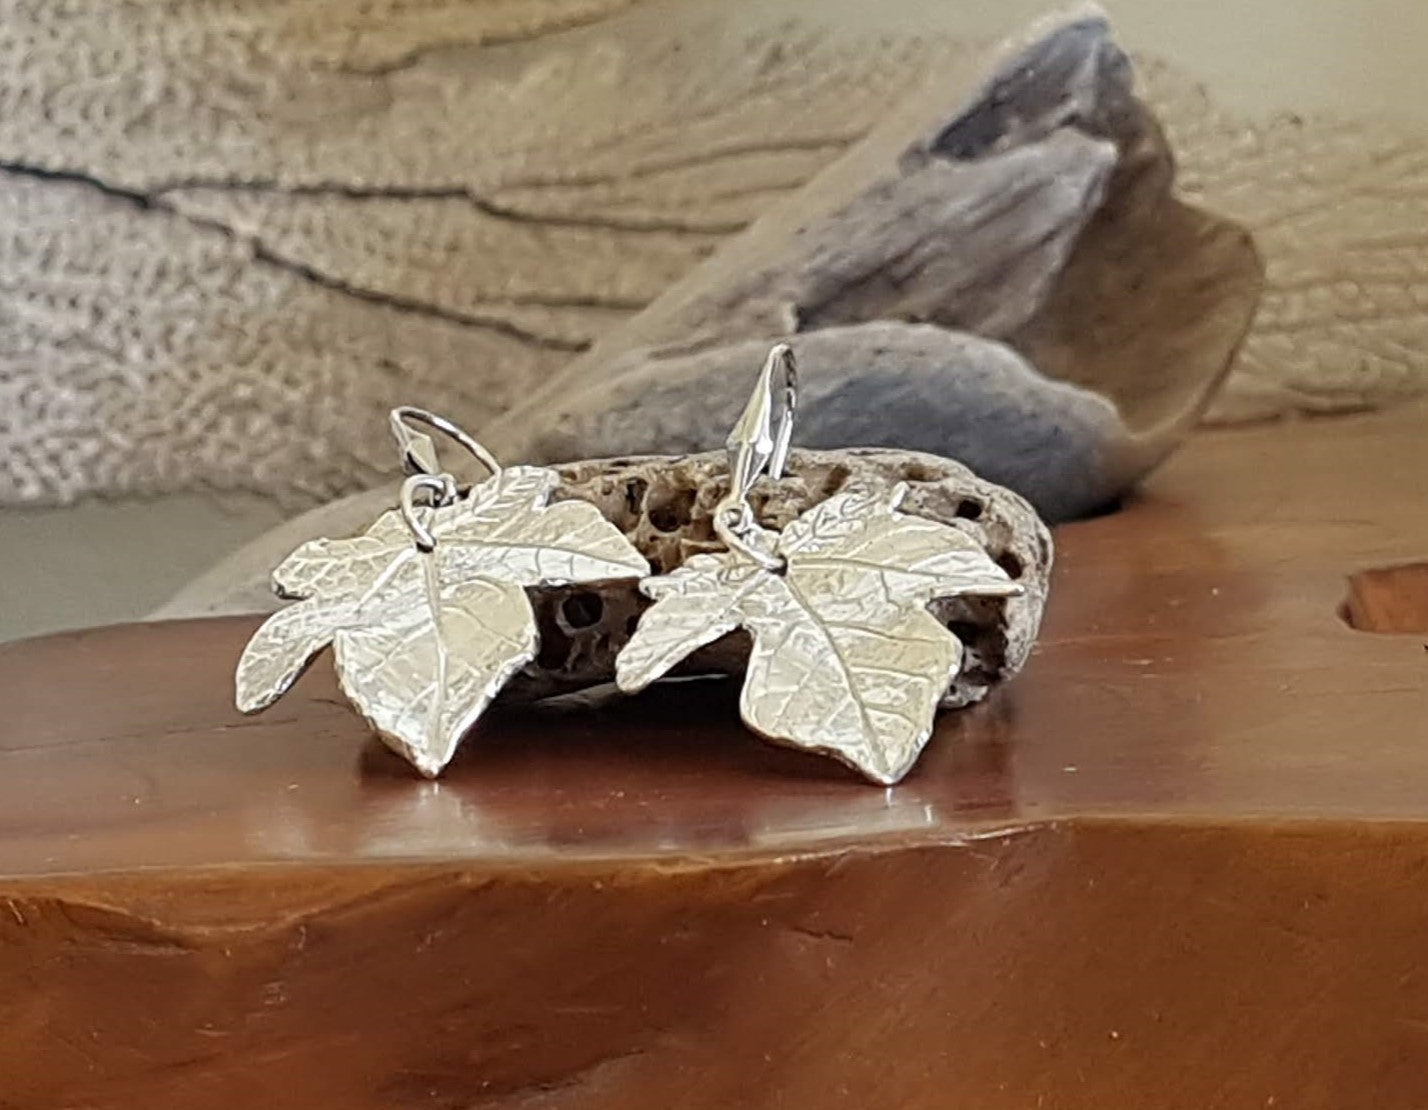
point(424, 640)
point(846, 659)
point(666, 508)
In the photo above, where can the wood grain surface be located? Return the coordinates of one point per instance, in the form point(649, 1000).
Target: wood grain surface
point(1389, 599)
point(1179, 863)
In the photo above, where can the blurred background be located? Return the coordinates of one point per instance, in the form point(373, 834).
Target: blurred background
point(232, 236)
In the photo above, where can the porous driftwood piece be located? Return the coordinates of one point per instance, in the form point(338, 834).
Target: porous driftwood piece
point(665, 507)
point(1037, 209)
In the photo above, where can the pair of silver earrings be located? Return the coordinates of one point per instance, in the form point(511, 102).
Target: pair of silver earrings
point(428, 616)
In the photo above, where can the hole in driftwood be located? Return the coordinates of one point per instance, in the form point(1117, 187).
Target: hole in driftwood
point(669, 510)
point(1388, 599)
point(635, 490)
point(836, 478)
point(582, 610)
point(554, 643)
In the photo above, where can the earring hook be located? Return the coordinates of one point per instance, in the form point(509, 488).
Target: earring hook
point(419, 460)
point(755, 449)
point(418, 450)
point(752, 445)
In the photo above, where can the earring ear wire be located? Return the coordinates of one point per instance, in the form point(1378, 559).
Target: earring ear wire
point(423, 468)
point(756, 449)
point(419, 452)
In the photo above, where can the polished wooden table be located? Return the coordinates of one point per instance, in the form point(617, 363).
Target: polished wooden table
point(1182, 862)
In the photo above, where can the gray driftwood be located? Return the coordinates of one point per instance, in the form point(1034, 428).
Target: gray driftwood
point(1035, 208)
point(916, 385)
point(664, 505)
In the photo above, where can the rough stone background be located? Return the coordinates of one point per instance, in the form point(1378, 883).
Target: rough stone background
point(234, 234)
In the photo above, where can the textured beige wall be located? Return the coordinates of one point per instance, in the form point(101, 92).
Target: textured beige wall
point(1355, 56)
point(101, 562)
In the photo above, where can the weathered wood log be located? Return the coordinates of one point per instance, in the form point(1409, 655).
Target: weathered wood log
point(665, 507)
point(922, 387)
point(1177, 863)
point(1032, 205)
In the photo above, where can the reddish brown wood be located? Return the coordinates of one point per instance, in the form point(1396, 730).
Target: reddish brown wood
point(1389, 599)
point(1182, 862)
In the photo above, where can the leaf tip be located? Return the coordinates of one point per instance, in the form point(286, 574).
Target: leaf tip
point(427, 760)
point(428, 766)
point(638, 566)
point(889, 775)
point(629, 679)
point(250, 699)
point(879, 764)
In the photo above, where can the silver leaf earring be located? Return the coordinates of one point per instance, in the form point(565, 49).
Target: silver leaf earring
point(846, 659)
point(426, 611)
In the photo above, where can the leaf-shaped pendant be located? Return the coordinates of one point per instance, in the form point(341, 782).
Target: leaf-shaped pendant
point(424, 639)
point(846, 660)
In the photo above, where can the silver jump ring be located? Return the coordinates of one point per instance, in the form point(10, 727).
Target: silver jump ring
point(443, 487)
point(417, 460)
point(733, 536)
